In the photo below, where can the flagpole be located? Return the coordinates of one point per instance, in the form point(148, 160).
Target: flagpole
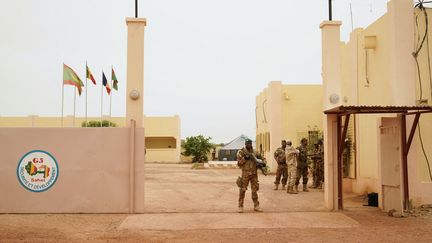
point(73, 123)
point(62, 98)
point(86, 96)
point(101, 99)
point(111, 94)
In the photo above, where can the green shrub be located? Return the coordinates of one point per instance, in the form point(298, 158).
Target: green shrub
point(105, 123)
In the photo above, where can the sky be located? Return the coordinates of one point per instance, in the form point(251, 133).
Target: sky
point(205, 61)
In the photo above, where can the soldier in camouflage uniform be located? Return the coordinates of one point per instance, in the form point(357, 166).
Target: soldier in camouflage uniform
point(302, 165)
point(320, 165)
point(315, 157)
point(282, 169)
point(249, 174)
point(291, 158)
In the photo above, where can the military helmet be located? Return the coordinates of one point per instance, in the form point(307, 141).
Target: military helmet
point(248, 141)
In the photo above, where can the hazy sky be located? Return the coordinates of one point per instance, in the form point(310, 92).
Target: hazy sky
point(204, 60)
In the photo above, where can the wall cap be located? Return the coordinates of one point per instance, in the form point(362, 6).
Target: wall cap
point(330, 23)
point(136, 21)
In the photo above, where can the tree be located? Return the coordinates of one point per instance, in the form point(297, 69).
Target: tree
point(198, 147)
point(105, 123)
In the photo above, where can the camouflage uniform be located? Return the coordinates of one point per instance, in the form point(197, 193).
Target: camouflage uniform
point(291, 159)
point(282, 169)
point(319, 167)
point(302, 166)
point(249, 174)
point(315, 161)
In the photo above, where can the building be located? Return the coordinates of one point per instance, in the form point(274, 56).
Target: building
point(162, 134)
point(229, 151)
point(285, 111)
point(382, 67)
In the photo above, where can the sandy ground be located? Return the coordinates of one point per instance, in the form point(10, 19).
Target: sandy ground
point(186, 205)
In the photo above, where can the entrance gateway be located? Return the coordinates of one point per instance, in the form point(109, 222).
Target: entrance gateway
point(392, 128)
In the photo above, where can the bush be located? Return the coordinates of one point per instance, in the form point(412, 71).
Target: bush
point(105, 123)
point(198, 147)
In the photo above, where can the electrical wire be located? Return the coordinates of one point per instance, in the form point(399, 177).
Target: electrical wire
point(415, 54)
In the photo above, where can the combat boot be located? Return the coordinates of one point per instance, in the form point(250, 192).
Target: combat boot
point(283, 187)
point(305, 188)
point(296, 189)
point(258, 209)
point(276, 187)
point(291, 191)
point(240, 210)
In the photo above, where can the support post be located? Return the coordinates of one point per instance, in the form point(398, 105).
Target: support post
point(404, 162)
point(339, 163)
point(412, 132)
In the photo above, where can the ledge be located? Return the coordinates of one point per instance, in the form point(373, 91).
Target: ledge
point(136, 21)
point(330, 23)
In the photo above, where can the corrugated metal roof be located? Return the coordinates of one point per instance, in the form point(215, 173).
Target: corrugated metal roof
point(358, 109)
point(237, 143)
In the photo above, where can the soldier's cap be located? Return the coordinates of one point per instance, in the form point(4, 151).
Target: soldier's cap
point(303, 139)
point(288, 142)
point(248, 141)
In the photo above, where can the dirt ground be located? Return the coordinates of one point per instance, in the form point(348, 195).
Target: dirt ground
point(207, 198)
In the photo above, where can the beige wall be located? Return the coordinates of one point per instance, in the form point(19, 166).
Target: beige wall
point(280, 114)
point(385, 74)
point(93, 164)
point(167, 128)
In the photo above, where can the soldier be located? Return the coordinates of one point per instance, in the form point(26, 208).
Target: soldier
point(302, 166)
point(291, 159)
point(246, 161)
point(282, 170)
point(315, 160)
point(320, 165)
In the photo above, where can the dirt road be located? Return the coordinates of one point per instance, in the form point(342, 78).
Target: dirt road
point(186, 205)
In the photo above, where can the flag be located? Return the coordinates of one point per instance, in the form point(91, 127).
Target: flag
point(105, 83)
point(89, 75)
point(114, 79)
point(71, 78)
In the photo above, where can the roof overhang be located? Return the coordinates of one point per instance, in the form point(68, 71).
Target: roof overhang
point(363, 109)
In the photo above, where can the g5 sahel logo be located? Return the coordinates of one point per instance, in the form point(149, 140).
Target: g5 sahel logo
point(37, 171)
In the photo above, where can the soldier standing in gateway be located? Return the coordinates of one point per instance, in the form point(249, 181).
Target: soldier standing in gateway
point(282, 169)
point(248, 166)
point(291, 158)
point(302, 166)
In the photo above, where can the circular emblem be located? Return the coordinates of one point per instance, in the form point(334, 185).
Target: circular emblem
point(37, 171)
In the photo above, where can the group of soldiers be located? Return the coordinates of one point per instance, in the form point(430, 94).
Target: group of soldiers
point(292, 166)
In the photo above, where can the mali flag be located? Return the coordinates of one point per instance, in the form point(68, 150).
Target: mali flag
point(105, 83)
point(114, 79)
point(89, 75)
point(71, 78)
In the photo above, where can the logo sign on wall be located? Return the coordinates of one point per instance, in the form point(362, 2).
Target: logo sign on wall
point(37, 171)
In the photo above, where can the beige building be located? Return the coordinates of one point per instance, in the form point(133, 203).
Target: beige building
point(162, 134)
point(287, 112)
point(376, 67)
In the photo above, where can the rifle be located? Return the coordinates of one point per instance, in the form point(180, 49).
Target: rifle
point(260, 164)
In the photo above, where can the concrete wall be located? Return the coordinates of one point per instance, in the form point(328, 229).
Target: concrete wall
point(156, 127)
point(93, 164)
point(280, 114)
